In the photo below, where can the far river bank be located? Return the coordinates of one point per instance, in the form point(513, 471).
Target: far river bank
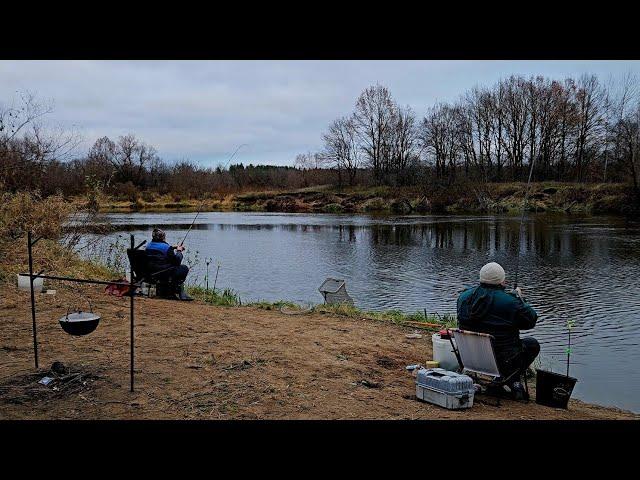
point(551, 197)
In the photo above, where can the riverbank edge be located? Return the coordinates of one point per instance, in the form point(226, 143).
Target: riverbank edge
point(427, 323)
point(64, 262)
point(419, 320)
point(507, 198)
point(223, 347)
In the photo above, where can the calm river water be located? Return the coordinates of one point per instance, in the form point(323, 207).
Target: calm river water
point(581, 269)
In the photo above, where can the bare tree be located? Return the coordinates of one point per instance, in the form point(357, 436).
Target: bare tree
point(341, 148)
point(29, 145)
point(516, 122)
point(373, 118)
point(626, 108)
point(21, 113)
point(128, 157)
point(590, 97)
point(438, 138)
point(403, 141)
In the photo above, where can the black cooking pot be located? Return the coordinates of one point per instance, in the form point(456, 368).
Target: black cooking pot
point(80, 323)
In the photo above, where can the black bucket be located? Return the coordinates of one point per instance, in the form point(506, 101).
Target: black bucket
point(553, 389)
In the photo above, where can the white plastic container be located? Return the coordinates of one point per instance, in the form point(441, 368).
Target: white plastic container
point(451, 390)
point(25, 285)
point(443, 353)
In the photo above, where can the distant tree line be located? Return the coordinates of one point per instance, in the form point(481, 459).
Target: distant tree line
point(38, 157)
point(571, 130)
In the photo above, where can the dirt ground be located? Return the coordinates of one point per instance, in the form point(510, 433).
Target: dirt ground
point(195, 361)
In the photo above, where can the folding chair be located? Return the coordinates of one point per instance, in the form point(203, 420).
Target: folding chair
point(140, 271)
point(476, 355)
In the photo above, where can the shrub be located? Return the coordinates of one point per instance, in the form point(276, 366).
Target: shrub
point(47, 218)
point(127, 192)
point(24, 211)
point(148, 196)
point(333, 208)
point(376, 204)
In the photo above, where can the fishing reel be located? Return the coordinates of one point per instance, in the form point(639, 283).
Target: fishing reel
point(517, 292)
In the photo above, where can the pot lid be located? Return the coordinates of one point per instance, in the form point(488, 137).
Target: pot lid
point(80, 317)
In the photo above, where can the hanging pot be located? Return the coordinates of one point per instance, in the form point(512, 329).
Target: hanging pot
point(80, 323)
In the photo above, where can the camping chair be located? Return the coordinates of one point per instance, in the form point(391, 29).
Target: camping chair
point(140, 271)
point(476, 355)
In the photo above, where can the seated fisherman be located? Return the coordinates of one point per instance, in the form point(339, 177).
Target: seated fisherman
point(489, 308)
point(165, 260)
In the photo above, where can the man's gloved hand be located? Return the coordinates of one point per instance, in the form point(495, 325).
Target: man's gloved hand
point(518, 292)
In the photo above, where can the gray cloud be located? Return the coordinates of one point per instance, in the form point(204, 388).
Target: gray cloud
point(202, 110)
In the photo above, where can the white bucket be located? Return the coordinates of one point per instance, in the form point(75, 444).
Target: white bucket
point(443, 353)
point(25, 285)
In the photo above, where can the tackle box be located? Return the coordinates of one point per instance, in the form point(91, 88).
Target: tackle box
point(447, 389)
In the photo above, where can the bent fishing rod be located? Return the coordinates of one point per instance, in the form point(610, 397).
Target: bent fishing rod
point(524, 204)
point(192, 223)
point(234, 154)
point(202, 204)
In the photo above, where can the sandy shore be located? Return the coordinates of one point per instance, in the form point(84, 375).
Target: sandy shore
point(195, 361)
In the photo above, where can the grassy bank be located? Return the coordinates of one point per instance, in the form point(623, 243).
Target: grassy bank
point(463, 198)
point(229, 298)
point(553, 197)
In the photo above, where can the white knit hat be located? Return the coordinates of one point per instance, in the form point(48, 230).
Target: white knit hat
point(492, 274)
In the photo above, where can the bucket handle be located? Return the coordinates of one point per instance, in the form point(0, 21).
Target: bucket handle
point(80, 311)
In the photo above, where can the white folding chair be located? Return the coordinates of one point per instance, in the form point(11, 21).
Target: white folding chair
point(477, 356)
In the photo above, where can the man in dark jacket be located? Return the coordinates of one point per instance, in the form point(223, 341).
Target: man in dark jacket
point(489, 308)
point(166, 260)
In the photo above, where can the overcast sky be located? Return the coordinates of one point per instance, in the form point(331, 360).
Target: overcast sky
point(202, 110)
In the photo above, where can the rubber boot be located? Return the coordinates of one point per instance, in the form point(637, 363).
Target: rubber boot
point(182, 295)
point(518, 392)
point(165, 291)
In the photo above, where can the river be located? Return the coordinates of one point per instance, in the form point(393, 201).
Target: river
point(584, 269)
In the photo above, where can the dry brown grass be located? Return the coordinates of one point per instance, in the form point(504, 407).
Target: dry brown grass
point(46, 218)
point(24, 211)
point(198, 361)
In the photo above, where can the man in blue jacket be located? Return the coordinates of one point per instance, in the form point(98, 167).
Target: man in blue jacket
point(489, 308)
point(166, 260)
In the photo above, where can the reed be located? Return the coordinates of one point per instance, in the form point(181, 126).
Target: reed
point(224, 298)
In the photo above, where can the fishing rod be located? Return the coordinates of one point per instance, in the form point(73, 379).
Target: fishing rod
point(234, 154)
point(201, 205)
point(192, 223)
point(524, 204)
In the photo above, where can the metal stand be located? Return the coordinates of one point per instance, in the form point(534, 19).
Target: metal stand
point(30, 245)
point(32, 277)
point(132, 294)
